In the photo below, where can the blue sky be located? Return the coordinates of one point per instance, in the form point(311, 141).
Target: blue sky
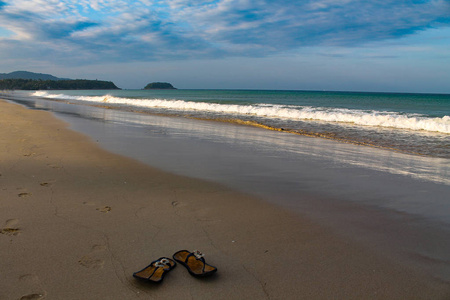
point(356, 45)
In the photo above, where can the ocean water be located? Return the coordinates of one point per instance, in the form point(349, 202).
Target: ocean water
point(410, 123)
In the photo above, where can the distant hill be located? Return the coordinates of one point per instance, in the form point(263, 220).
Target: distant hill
point(78, 84)
point(23, 80)
point(159, 86)
point(29, 75)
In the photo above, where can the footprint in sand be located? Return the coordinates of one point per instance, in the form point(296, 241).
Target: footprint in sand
point(90, 261)
point(33, 297)
point(10, 228)
point(104, 209)
point(10, 231)
point(96, 248)
point(32, 280)
point(54, 166)
point(46, 184)
point(29, 277)
point(24, 195)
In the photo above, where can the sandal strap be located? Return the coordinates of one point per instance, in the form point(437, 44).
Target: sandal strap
point(198, 256)
point(162, 263)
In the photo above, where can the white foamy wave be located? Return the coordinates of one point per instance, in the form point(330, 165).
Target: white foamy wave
point(357, 117)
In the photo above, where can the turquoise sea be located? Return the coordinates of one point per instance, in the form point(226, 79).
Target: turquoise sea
point(411, 123)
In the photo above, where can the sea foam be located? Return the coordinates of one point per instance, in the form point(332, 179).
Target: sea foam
point(300, 113)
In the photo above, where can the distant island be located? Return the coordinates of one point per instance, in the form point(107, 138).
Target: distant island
point(23, 80)
point(159, 86)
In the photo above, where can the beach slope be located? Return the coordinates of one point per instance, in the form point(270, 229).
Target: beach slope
point(76, 221)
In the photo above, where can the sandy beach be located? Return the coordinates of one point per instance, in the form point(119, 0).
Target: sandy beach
point(76, 221)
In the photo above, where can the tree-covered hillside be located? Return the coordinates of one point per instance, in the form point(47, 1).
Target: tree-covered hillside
point(159, 86)
point(78, 84)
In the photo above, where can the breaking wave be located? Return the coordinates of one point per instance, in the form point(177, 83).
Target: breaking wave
point(271, 111)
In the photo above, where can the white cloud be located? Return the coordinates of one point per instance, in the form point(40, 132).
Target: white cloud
point(185, 28)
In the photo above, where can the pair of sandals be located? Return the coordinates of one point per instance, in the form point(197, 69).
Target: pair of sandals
point(193, 261)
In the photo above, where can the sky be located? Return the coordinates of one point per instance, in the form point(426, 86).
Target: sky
point(338, 45)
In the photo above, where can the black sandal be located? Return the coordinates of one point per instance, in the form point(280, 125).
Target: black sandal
point(156, 271)
point(194, 263)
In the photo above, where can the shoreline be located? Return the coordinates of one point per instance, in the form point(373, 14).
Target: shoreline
point(395, 137)
point(77, 221)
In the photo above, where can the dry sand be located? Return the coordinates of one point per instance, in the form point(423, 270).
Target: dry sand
point(76, 221)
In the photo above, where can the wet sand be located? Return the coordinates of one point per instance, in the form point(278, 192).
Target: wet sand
point(77, 221)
